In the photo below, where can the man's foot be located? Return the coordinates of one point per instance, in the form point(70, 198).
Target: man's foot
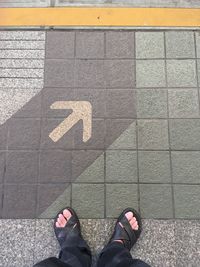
point(63, 218)
point(133, 222)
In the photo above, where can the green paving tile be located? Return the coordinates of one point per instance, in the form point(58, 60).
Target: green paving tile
point(180, 44)
point(186, 167)
point(147, 74)
point(88, 200)
point(154, 167)
point(183, 103)
point(119, 197)
point(127, 140)
point(153, 134)
point(185, 134)
point(181, 73)
point(151, 103)
point(121, 166)
point(149, 44)
point(187, 201)
point(156, 201)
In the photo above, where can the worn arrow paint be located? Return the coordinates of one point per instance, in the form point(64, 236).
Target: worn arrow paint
point(82, 110)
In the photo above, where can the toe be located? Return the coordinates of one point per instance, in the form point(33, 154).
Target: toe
point(62, 220)
point(67, 214)
point(57, 224)
point(129, 215)
point(135, 226)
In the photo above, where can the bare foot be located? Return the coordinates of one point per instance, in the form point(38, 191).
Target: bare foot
point(133, 222)
point(63, 218)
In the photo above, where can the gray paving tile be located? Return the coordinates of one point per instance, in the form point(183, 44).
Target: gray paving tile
point(55, 166)
point(59, 73)
point(24, 134)
point(48, 125)
point(89, 73)
point(149, 44)
point(83, 171)
point(127, 139)
point(21, 3)
point(1, 199)
point(147, 74)
point(183, 103)
point(119, 197)
point(21, 83)
point(97, 139)
point(120, 44)
point(187, 201)
point(22, 167)
point(2, 165)
point(120, 103)
point(184, 134)
point(22, 44)
point(119, 73)
point(17, 242)
point(90, 44)
point(51, 95)
point(153, 134)
point(181, 73)
point(35, 54)
point(197, 36)
point(3, 136)
point(46, 244)
point(186, 167)
point(156, 245)
point(187, 242)
point(91, 205)
point(121, 166)
point(97, 98)
point(60, 44)
point(21, 73)
point(180, 44)
point(22, 63)
point(198, 70)
point(156, 201)
point(47, 194)
point(151, 103)
point(19, 201)
point(22, 35)
point(154, 167)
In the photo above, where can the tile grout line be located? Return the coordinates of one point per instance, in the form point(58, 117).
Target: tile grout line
point(168, 125)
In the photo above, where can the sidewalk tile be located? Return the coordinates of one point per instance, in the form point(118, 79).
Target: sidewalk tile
point(186, 167)
point(184, 134)
point(149, 44)
point(180, 44)
point(181, 73)
point(154, 167)
point(3, 136)
point(90, 44)
point(147, 74)
point(2, 165)
point(121, 166)
point(187, 201)
point(197, 34)
point(120, 44)
point(156, 201)
point(60, 44)
point(92, 204)
point(183, 103)
point(151, 103)
point(119, 197)
point(153, 134)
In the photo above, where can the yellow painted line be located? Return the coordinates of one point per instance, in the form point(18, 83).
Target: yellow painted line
point(98, 16)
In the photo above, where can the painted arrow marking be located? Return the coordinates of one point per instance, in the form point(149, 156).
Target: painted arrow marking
point(82, 110)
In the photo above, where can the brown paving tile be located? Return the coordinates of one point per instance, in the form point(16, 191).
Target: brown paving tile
point(60, 44)
point(19, 201)
point(121, 103)
point(51, 95)
point(59, 73)
point(65, 142)
point(55, 166)
point(82, 159)
point(22, 167)
point(47, 194)
point(24, 133)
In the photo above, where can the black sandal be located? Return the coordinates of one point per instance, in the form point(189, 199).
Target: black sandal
point(68, 235)
point(128, 236)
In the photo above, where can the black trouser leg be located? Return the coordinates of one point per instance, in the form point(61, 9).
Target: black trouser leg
point(116, 255)
point(74, 256)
